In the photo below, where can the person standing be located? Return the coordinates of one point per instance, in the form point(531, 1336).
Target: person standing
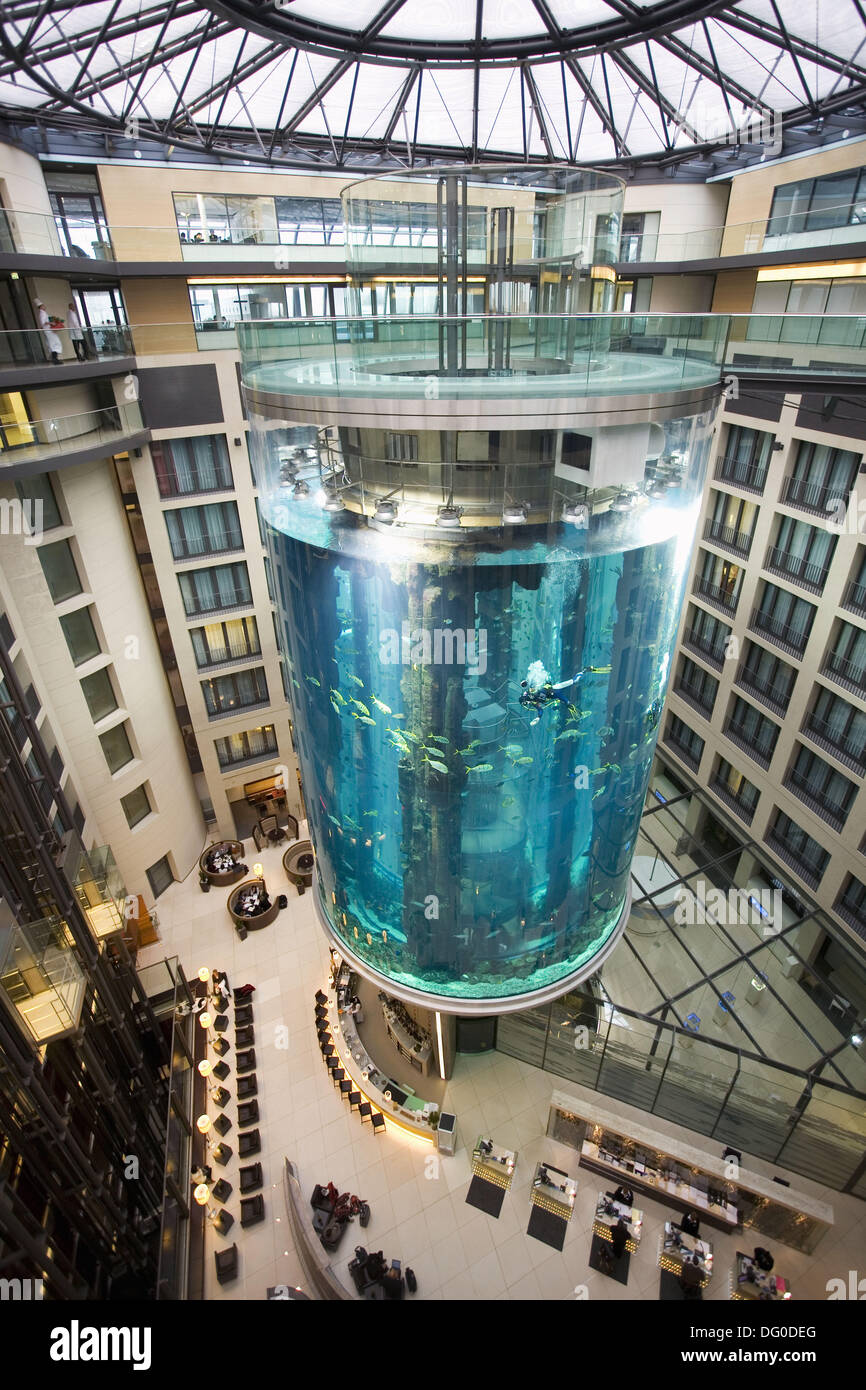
point(76, 332)
point(619, 1238)
point(52, 342)
point(691, 1279)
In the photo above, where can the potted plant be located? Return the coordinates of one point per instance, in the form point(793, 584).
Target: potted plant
point(433, 1119)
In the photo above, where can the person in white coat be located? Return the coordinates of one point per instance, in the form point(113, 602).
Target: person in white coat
point(52, 342)
point(76, 332)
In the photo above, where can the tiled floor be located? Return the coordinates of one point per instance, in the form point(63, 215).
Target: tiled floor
point(419, 1212)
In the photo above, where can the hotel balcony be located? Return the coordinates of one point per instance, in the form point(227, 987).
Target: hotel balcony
point(35, 446)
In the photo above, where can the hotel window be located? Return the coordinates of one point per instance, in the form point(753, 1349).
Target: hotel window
point(227, 641)
point(730, 522)
point(80, 634)
point(822, 788)
point(39, 501)
point(207, 530)
point(847, 658)
point(798, 849)
point(821, 478)
point(160, 876)
point(807, 205)
point(199, 464)
point(784, 617)
point(767, 675)
point(12, 717)
point(209, 590)
point(719, 580)
point(838, 724)
point(689, 744)
point(801, 552)
point(228, 694)
point(707, 634)
point(746, 458)
point(851, 904)
point(751, 731)
point(99, 693)
point(855, 590)
point(734, 787)
point(136, 806)
point(58, 566)
point(117, 748)
point(697, 686)
point(245, 747)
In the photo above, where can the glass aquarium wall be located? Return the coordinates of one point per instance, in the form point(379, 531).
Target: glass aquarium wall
point(480, 529)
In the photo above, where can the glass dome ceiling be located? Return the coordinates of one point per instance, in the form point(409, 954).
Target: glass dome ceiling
point(354, 83)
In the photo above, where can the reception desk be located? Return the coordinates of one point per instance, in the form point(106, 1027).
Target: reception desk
point(683, 1176)
point(677, 1245)
point(606, 1220)
point(494, 1164)
point(554, 1191)
point(403, 1110)
point(750, 1282)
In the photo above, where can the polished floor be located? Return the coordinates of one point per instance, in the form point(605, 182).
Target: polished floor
point(419, 1212)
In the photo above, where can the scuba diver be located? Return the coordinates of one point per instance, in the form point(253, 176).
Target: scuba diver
point(653, 715)
point(538, 690)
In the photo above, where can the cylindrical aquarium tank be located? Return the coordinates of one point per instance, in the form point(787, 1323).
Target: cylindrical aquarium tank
point(479, 495)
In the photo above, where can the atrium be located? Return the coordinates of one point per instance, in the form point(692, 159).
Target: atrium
point(432, 650)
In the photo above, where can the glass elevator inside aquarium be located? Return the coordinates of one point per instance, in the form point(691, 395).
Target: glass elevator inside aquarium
point(479, 493)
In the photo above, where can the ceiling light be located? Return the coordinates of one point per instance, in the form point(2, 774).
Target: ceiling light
point(386, 511)
point(448, 518)
point(622, 503)
point(300, 489)
point(514, 513)
point(333, 501)
point(856, 1039)
point(657, 490)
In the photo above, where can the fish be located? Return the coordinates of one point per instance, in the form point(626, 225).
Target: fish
point(365, 719)
point(598, 793)
point(425, 749)
point(335, 707)
point(370, 813)
point(523, 762)
point(414, 737)
point(437, 738)
point(355, 679)
point(313, 681)
point(605, 732)
point(334, 821)
point(439, 767)
point(335, 695)
point(359, 704)
point(481, 767)
point(295, 683)
point(507, 801)
point(380, 705)
point(513, 750)
point(569, 734)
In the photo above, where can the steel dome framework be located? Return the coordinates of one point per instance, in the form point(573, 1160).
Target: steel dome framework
point(673, 84)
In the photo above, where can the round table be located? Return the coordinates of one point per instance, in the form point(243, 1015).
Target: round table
point(298, 862)
point(224, 877)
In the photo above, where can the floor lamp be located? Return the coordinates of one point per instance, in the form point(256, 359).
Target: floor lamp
point(221, 1220)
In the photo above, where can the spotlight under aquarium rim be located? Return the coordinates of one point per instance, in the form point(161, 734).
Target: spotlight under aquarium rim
point(476, 1007)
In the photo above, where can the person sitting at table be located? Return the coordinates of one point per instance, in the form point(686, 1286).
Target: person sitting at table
point(624, 1195)
point(619, 1238)
point(691, 1279)
point(485, 1146)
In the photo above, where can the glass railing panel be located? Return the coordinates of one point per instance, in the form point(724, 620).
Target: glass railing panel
point(69, 433)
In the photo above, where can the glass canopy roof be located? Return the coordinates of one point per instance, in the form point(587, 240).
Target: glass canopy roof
point(355, 82)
